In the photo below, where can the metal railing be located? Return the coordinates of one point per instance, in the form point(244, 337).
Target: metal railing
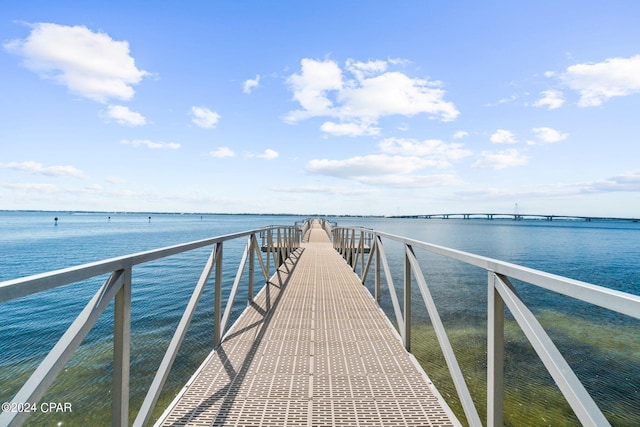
point(352, 244)
point(277, 242)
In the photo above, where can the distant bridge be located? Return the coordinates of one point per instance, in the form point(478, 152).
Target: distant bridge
point(517, 217)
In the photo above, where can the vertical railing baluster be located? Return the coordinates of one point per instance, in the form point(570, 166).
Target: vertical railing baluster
point(252, 265)
point(121, 353)
point(406, 335)
point(217, 303)
point(279, 249)
point(378, 243)
point(354, 258)
point(361, 245)
point(268, 246)
point(495, 354)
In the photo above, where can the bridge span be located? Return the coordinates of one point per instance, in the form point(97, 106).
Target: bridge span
point(516, 217)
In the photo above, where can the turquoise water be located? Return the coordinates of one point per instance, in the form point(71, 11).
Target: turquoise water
point(602, 348)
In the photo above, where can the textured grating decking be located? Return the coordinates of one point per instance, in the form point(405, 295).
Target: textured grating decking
point(313, 350)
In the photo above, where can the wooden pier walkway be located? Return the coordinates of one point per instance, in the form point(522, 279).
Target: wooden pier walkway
point(312, 349)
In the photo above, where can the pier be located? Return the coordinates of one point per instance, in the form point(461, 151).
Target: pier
point(312, 349)
point(313, 346)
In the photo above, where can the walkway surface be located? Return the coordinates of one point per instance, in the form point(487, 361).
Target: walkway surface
point(313, 349)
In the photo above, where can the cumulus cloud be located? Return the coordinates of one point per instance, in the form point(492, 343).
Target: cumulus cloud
point(413, 181)
point(460, 134)
point(39, 169)
point(204, 118)
point(268, 154)
point(361, 94)
point(629, 181)
point(350, 129)
point(396, 164)
point(432, 148)
point(250, 84)
point(124, 116)
point(370, 165)
point(90, 64)
point(310, 88)
point(598, 82)
point(502, 136)
point(151, 144)
point(551, 99)
point(548, 135)
point(382, 169)
point(625, 182)
point(222, 152)
point(501, 160)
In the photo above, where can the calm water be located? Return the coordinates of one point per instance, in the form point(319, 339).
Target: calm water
point(603, 348)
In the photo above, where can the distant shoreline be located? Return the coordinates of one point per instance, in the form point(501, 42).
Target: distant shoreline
point(455, 216)
point(187, 213)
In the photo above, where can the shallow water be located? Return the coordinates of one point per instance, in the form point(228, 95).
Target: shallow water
point(602, 348)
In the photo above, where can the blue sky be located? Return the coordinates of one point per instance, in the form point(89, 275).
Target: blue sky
point(336, 107)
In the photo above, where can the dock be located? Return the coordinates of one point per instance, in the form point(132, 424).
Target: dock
point(312, 349)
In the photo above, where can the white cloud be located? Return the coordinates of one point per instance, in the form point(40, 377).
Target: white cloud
point(37, 168)
point(501, 160)
point(150, 144)
point(90, 64)
point(350, 129)
point(413, 181)
point(204, 118)
point(433, 148)
point(549, 135)
point(269, 154)
point(310, 88)
point(551, 99)
point(362, 70)
point(222, 152)
point(372, 92)
point(629, 181)
point(460, 134)
point(124, 116)
point(502, 136)
point(251, 84)
point(394, 93)
point(383, 170)
point(370, 165)
point(598, 82)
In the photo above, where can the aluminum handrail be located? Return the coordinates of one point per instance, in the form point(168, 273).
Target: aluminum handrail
point(348, 241)
point(118, 287)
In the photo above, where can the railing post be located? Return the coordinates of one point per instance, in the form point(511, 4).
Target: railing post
point(268, 246)
point(252, 265)
point(406, 335)
point(279, 249)
point(121, 353)
point(361, 247)
point(495, 354)
point(354, 250)
point(378, 243)
point(217, 303)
